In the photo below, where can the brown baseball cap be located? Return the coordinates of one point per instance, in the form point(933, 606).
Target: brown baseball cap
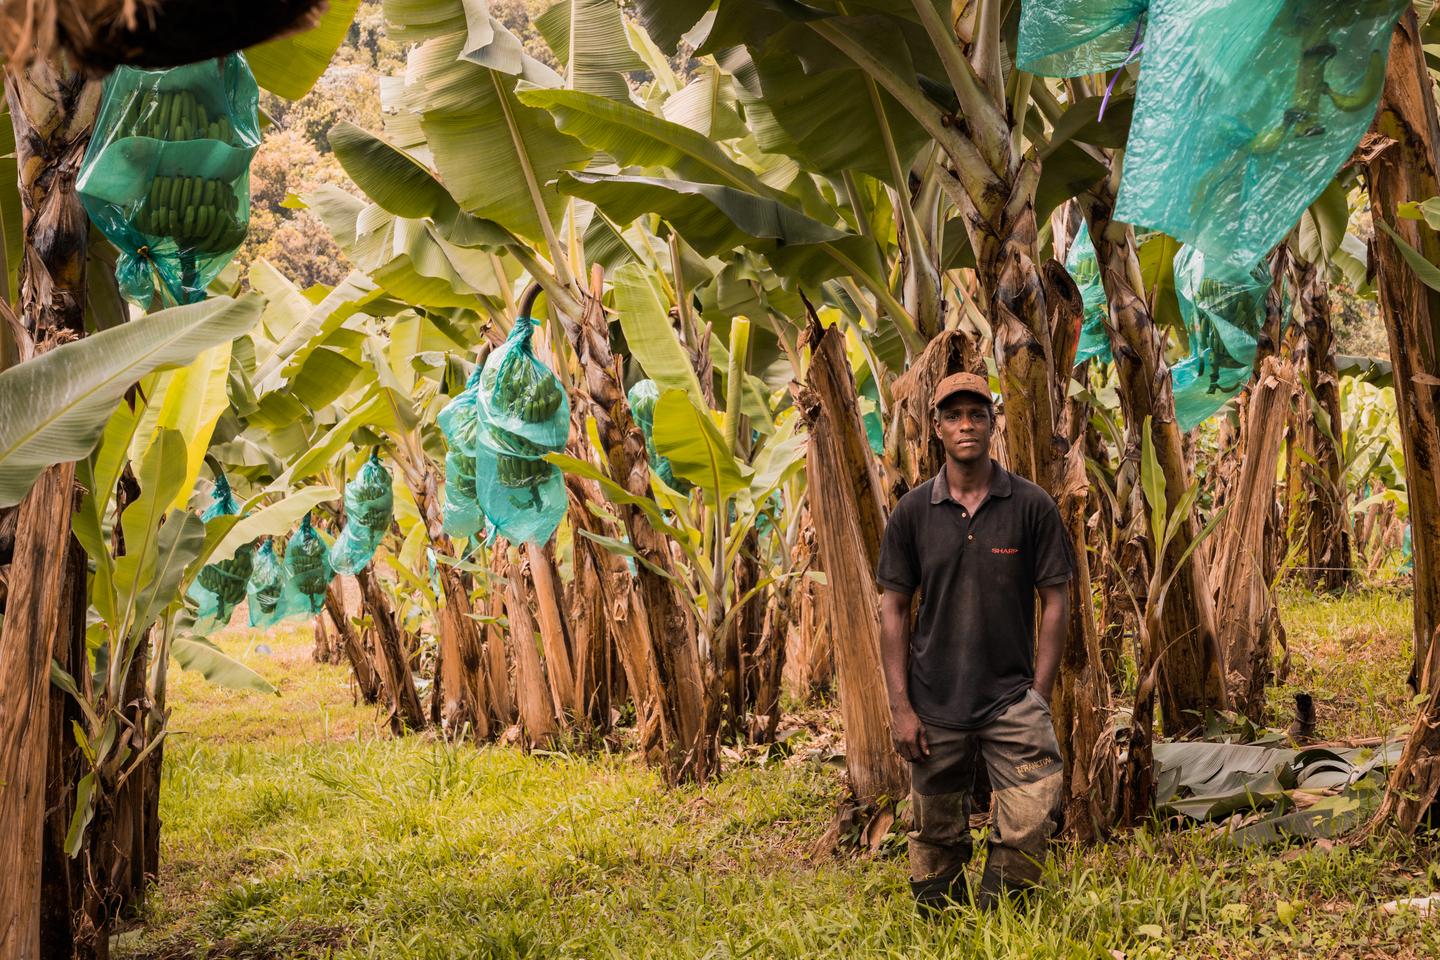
point(962, 383)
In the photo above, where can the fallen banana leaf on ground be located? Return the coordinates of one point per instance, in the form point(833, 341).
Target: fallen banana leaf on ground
point(1315, 792)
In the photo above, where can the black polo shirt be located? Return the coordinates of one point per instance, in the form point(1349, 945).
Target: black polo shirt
point(972, 651)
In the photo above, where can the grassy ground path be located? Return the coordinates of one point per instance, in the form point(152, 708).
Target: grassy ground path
point(296, 827)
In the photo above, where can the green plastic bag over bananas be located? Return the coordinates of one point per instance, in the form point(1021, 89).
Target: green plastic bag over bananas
point(219, 587)
point(521, 414)
point(642, 398)
point(265, 590)
point(460, 512)
point(1244, 109)
point(1084, 268)
point(307, 563)
point(1224, 313)
point(369, 506)
point(167, 174)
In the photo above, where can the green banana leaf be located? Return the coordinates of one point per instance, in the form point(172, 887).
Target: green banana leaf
point(388, 175)
point(637, 138)
point(689, 438)
point(494, 153)
point(193, 653)
point(56, 406)
point(666, 21)
point(289, 66)
point(645, 319)
point(713, 219)
point(588, 38)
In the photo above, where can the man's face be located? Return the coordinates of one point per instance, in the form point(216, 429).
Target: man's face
point(963, 423)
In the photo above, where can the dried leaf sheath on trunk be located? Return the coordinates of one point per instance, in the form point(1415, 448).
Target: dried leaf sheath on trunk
point(1407, 171)
point(849, 517)
point(392, 661)
point(1246, 617)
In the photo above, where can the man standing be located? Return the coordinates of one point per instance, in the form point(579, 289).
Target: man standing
point(978, 543)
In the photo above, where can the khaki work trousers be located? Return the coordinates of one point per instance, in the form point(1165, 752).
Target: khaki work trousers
point(1023, 760)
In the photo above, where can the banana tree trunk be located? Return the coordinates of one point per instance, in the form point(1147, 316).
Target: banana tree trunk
point(392, 662)
point(460, 677)
point(1191, 670)
point(690, 747)
point(554, 635)
point(62, 877)
point(367, 681)
point(53, 111)
point(1328, 558)
point(1246, 616)
point(538, 711)
point(1015, 293)
point(1407, 171)
point(847, 507)
point(1082, 694)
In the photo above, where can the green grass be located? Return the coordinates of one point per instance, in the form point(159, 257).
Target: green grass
point(286, 835)
point(1352, 654)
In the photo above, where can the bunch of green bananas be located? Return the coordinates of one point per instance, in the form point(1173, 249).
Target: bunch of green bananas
point(173, 115)
point(520, 472)
point(524, 389)
point(306, 556)
point(192, 211)
point(460, 475)
point(226, 579)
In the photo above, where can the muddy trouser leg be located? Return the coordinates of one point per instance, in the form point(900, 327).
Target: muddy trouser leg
point(1023, 759)
point(940, 844)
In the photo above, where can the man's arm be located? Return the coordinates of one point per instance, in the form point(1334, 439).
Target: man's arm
point(1054, 620)
point(905, 727)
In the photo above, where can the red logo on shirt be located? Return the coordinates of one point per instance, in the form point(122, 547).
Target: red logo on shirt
point(1005, 550)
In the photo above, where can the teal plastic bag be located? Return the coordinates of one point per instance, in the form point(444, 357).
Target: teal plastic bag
point(521, 414)
point(1224, 313)
point(1072, 38)
point(870, 416)
point(523, 498)
point(1084, 269)
point(1245, 110)
point(220, 587)
point(460, 511)
point(521, 404)
point(307, 563)
point(642, 398)
point(369, 507)
point(166, 176)
point(265, 590)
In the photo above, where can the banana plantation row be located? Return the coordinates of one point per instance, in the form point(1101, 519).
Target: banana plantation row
point(747, 271)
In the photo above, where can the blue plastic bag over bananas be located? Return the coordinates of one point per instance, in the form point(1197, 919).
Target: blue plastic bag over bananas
point(369, 507)
point(308, 572)
point(1084, 268)
point(460, 512)
point(521, 414)
point(1244, 109)
point(219, 587)
point(1224, 312)
point(167, 174)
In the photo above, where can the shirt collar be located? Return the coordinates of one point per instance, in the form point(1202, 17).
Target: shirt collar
point(999, 484)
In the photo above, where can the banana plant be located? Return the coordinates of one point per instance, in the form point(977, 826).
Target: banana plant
point(146, 548)
point(1128, 752)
